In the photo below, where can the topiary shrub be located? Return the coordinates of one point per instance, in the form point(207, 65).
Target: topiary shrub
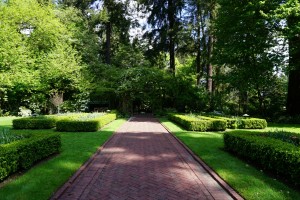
point(274, 155)
point(85, 125)
point(22, 154)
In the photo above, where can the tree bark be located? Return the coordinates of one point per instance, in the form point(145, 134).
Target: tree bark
point(209, 65)
point(171, 19)
point(294, 44)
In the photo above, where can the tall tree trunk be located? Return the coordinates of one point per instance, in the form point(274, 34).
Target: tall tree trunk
point(198, 45)
point(108, 43)
point(294, 44)
point(209, 65)
point(171, 35)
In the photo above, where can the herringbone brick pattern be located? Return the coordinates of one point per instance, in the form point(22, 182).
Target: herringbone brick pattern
point(142, 161)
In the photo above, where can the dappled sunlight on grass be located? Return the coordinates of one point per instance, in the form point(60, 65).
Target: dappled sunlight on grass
point(247, 180)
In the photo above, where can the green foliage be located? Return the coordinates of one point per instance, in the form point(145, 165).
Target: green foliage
point(276, 156)
point(231, 122)
point(198, 123)
point(7, 137)
point(34, 123)
point(252, 123)
point(22, 154)
point(85, 125)
point(215, 124)
point(190, 123)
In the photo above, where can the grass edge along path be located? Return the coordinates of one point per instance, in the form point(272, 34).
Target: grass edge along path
point(251, 183)
point(44, 179)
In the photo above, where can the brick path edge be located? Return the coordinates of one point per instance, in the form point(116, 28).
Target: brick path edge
point(56, 195)
point(234, 194)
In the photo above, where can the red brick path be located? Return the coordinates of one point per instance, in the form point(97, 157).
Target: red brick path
point(142, 161)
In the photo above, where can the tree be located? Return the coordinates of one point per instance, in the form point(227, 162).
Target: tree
point(37, 56)
point(165, 21)
point(245, 42)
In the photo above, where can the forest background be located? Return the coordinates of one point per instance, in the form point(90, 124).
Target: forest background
point(226, 56)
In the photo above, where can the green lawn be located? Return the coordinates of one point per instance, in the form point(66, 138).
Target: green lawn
point(41, 181)
point(250, 182)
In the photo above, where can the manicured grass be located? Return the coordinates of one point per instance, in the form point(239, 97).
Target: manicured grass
point(286, 127)
point(251, 183)
point(6, 121)
point(41, 181)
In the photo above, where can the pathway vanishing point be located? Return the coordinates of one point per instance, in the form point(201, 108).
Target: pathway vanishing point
point(144, 161)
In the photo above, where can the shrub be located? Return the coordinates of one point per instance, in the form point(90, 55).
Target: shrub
point(43, 122)
point(274, 155)
point(34, 123)
point(215, 124)
point(231, 122)
point(22, 154)
point(189, 123)
point(252, 123)
point(87, 125)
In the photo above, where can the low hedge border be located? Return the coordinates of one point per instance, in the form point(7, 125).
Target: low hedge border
point(22, 154)
point(73, 125)
point(273, 155)
point(188, 122)
point(231, 122)
point(215, 124)
point(252, 123)
point(43, 122)
point(198, 123)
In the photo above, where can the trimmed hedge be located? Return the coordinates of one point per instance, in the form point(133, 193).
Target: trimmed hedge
point(34, 123)
point(215, 124)
point(92, 125)
point(273, 155)
point(22, 154)
point(43, 122)
point(231, 122)
point(252, 123)
point(188, 122)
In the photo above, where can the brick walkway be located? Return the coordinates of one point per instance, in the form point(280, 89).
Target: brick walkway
point(143, 161)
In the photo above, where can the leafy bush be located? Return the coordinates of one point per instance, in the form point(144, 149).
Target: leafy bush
point(274, 155)
point(189, 122)
point(215, 124)
point(86, 124)
point(231, 122)
point(34, 123)
point(252, 123)
point(22, 154)
point(43, 122)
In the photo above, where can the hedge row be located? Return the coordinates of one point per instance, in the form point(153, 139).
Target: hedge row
point(73, 125)
point(22, 154)
point(243, 123)
point(276, 156)
point(198, 124)
point(252, 123)
point(43, 122)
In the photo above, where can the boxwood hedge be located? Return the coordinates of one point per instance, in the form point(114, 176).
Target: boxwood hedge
point(89, 125)
point(270, 154)
point(194, 123)
point(22, 154)
point(252, 123)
